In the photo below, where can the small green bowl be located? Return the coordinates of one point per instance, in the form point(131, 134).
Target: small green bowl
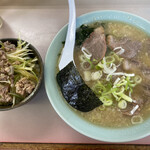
point(64, 110)
point(29, 97)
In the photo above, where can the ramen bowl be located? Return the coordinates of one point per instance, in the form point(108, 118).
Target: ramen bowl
point(70, 116)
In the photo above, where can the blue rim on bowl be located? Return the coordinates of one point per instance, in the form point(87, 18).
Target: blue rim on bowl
point(62, 108)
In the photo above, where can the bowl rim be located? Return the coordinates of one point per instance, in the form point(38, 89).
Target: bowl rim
point(63, 114)
point(35, 91)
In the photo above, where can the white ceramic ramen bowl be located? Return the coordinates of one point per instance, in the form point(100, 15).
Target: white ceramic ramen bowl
point(64, 110)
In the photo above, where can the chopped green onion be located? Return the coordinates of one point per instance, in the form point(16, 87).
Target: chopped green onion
point(108, 68)
point(85, 65)
point(118, 91)
point(82, 58)
point(122, 104)
point(96, 75)
point(87, 75)
point(136, 119)
point(14, 101)
point(27, 74)
point(99, 88)
point(119, 59)
point(16, 95)
point(121, 50)
point(125, 97)
point(120, 82)
point(2, 45)
point(137, 79)
point(86, 53)
point(99, 65)
point(106, 101)
point(102, 107)
point(88, 60)
point(8, 81)
point(110, 59)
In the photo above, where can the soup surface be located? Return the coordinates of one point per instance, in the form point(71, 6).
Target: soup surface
point(121, 78)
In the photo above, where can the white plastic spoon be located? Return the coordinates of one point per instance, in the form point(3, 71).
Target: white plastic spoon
point(68, 50)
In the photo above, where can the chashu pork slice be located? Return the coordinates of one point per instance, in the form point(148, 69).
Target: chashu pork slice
point(95, 45)
point(131, 47)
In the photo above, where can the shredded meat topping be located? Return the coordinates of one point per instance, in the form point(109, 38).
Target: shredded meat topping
point(2, 55)
point(4, 96)
point(9, 47)
point(24, 86)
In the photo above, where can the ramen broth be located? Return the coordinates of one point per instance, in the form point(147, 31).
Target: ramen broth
point(112, 116)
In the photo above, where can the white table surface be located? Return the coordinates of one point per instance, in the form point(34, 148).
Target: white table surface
point(38, 22)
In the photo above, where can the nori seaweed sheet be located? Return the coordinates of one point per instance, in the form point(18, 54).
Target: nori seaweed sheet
point(75, 91)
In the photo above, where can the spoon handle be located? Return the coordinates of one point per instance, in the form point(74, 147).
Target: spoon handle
point(68, 51)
